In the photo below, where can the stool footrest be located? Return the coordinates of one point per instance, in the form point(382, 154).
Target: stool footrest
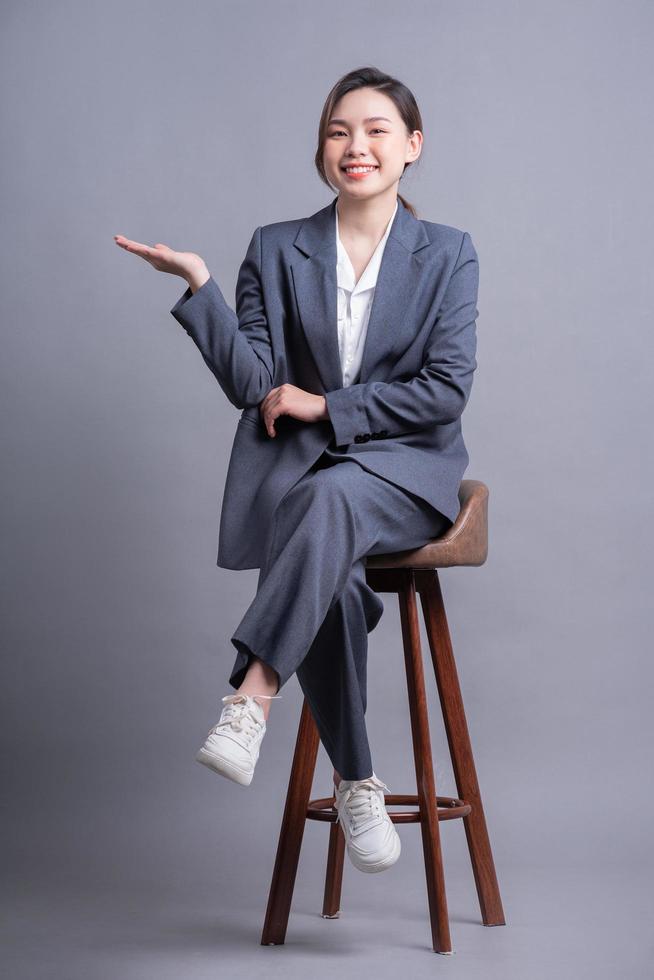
point(449, 808)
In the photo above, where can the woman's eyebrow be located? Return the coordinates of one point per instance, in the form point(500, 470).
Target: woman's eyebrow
point(343, 122)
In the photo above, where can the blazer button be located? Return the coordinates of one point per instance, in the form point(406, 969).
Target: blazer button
point(366, 437)
point(358, 437)
point(384, 432)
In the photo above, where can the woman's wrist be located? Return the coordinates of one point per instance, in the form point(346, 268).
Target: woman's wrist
point(197, 277)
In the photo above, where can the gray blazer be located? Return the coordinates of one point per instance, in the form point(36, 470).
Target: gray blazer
point(401, 420)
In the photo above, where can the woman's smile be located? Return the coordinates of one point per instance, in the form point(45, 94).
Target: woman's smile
point(358, 172)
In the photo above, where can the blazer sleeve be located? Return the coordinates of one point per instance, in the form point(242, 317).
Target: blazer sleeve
point(438, 394)
point(236, 347)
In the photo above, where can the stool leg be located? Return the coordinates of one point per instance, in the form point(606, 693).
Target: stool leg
point(458, 739)
point(292, 830)
point(426, 783)
point(331, 905)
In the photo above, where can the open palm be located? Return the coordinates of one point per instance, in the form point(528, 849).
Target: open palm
point(162, 258)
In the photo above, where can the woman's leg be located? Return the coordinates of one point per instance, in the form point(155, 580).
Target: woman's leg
point(312, 598)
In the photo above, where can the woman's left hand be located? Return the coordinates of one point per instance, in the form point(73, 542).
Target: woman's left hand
point(289, 400)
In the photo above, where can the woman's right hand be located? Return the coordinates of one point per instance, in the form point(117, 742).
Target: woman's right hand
point(188, 265)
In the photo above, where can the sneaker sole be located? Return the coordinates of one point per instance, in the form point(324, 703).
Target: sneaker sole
point(385, 863)
point(224, 768)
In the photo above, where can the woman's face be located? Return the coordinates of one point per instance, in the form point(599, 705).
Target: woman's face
point(366, 128)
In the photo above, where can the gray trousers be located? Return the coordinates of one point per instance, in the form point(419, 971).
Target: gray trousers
point(313, 609)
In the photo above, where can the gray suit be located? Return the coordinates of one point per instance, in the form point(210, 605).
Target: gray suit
point(308, 506)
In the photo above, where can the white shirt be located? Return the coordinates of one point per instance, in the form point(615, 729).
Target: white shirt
point(355, 302)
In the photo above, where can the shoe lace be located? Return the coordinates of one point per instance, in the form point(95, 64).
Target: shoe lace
point(364, 800)
point(239, 713)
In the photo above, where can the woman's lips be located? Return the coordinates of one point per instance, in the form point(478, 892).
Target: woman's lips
point(360, 176)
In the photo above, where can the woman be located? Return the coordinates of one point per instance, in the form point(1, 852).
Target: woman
point(350, 439)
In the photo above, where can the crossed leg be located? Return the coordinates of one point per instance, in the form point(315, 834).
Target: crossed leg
point(313, 609)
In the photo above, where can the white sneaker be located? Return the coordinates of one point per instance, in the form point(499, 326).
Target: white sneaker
point(373, 844)
point(232, 745)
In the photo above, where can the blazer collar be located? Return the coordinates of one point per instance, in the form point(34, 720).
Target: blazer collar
point(314, 278)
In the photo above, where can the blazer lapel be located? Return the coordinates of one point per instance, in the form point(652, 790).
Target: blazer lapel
point(389, 327)
point(314, 279)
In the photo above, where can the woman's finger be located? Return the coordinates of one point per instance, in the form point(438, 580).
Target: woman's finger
point(137, 247)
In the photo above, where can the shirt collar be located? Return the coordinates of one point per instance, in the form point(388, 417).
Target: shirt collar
point(344, 270)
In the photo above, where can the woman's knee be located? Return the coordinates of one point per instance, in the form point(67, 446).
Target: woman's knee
point(326, 489)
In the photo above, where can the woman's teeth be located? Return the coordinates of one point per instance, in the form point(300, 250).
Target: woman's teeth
point(358, 173)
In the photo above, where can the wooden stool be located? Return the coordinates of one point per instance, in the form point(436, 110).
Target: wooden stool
point(406, 572)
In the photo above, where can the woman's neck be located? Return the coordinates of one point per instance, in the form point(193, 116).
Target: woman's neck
point(365, 220)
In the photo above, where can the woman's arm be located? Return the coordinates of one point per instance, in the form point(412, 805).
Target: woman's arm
point(236, 347)
point(438, 394)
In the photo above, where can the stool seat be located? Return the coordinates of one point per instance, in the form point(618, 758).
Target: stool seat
point(465, 543)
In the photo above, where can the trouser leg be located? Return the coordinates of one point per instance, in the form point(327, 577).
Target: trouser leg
point(333, 675)
point(311, 549)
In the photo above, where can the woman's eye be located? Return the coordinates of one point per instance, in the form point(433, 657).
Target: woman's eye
point(339, 132)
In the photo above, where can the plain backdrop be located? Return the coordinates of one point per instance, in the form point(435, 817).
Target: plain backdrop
point(192, 124)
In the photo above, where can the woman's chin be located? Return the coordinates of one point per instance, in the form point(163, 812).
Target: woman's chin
point(361, 193)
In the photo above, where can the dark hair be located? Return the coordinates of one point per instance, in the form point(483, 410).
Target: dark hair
point(369, 78)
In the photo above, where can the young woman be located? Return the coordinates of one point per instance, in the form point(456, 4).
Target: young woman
point(351, 353)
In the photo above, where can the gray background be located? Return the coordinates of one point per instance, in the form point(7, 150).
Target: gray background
point(192, 124)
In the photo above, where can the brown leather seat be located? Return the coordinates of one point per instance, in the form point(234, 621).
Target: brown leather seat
point(465, 543)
